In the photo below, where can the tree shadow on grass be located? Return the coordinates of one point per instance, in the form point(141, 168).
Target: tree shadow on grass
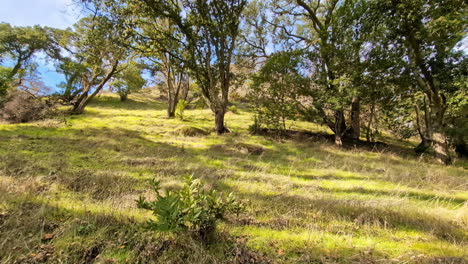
point(348, 144)
point(454, 202)
point(358, 211)
point(94, 161)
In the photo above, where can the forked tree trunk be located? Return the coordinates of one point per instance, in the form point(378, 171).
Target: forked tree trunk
point(78, 107)
point(84, 99)
point(79, 104)
point(433, 134)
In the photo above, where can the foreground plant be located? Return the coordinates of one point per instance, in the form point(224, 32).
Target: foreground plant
point(190, 209)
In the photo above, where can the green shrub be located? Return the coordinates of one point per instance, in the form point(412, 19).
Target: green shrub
point(180, 109)
point(233, 109)
point(190, 209)
point(275, 90)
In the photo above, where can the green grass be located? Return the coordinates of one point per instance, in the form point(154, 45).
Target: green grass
point(309, 201)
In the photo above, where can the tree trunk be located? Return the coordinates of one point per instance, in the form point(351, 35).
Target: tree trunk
point(171, 109)
point(219, 121)
point(338, 140)
point(434, 136)
point(185, 89)
point(340, 127)
point(123, 97)
point(78, 107)
point(355, 119)
point(423, 133)
point(439, 141)
point(369, 124)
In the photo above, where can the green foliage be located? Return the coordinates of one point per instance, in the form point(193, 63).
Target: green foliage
point(72, 72)
point(4, 82)
point(190, 209)
point(180, 109)
point(20, 44)
point(233, 109)
point(129, 80)
point(399, 118)
point(275, 90)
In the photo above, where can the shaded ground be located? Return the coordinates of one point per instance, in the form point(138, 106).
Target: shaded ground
point(68, 190)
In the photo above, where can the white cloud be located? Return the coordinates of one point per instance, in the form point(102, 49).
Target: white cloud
point(52, 13)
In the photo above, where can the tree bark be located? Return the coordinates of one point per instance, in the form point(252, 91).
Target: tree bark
point(171, 109)
point(423, 133)
point(439, 141)
point(340, 127)
point(369, 124)
point(185, 89)
point(355, 118)
point(219, 121)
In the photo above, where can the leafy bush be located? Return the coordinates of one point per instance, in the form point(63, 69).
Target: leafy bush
point(180, 109)
point(128, 81)
point(190, 209)
point(233, 109)
point(275, 90)
point(4, 82)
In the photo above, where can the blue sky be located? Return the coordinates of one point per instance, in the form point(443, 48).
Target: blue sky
point(52, 13)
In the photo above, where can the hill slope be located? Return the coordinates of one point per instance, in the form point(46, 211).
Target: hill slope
point(68, 190)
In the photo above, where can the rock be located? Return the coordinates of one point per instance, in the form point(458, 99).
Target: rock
point(47, 237)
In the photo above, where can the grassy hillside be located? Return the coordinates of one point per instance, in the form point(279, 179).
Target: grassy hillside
point(68, 190)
